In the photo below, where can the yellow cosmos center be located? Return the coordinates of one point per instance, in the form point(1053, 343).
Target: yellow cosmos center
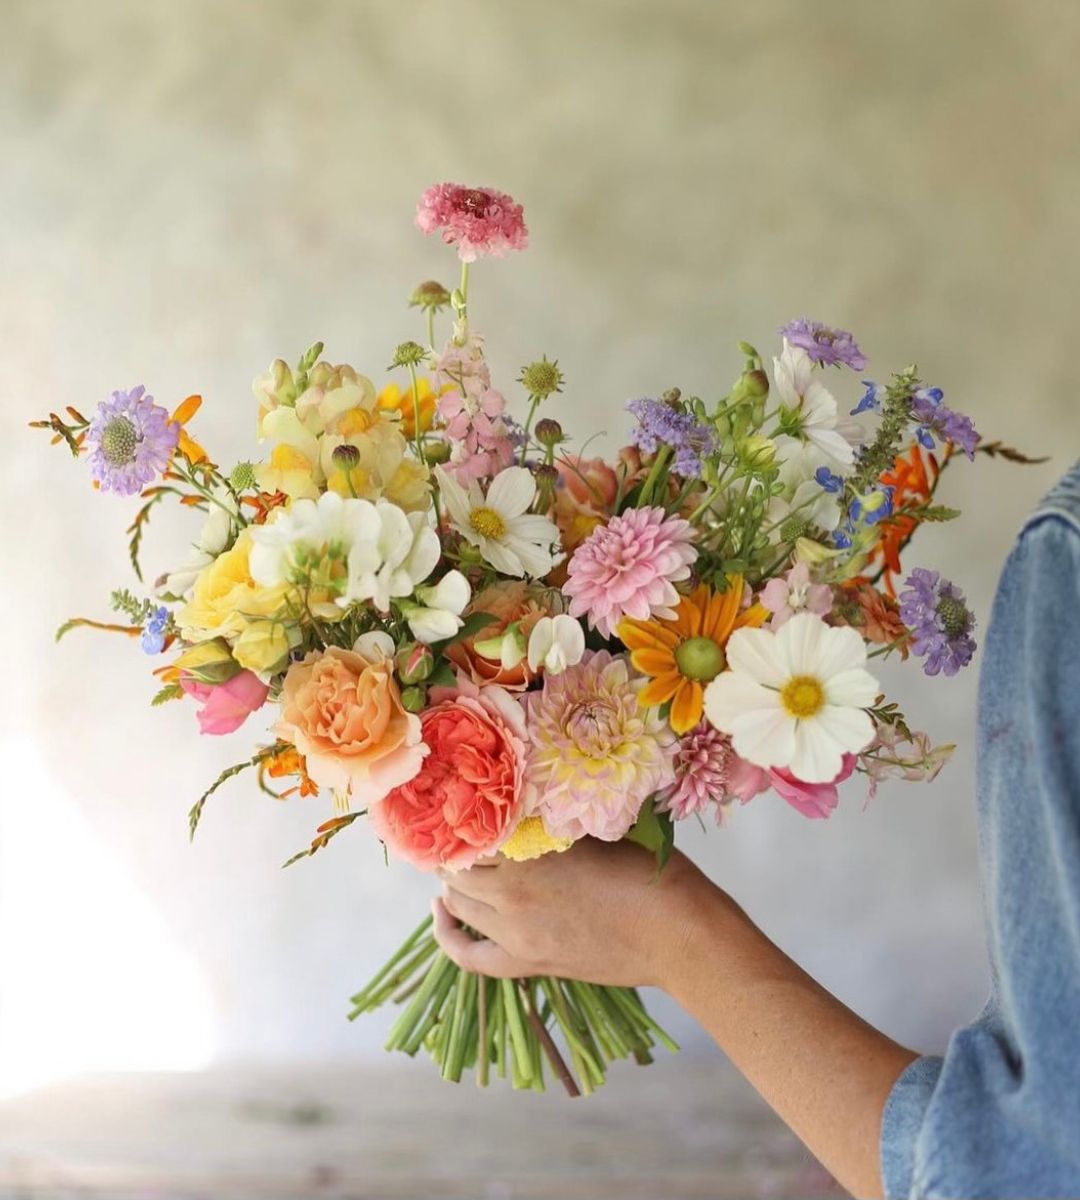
point(487, 523)
point(803, 696)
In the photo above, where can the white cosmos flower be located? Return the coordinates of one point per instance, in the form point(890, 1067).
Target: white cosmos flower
point(795, 698)
point(556, 643)
point(438, 615)
point(499, 525)
point(800, 389)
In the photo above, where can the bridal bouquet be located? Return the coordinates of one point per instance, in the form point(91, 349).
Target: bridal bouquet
point(485, 643)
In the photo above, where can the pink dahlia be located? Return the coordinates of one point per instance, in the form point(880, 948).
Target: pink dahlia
point(628, 568)
point(595, 754)
point(707, 771)
point(478, 221)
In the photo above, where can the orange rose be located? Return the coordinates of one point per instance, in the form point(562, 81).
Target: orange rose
point(342, 710)
point(508, 602)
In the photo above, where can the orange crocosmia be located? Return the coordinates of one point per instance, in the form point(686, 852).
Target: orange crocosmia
point(264, 504)
point(912, 478)
point(187, 445)
point(682, 655)
point(290, 762)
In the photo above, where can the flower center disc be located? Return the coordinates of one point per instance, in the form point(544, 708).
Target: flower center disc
point(487, 523)
point(803, 696)
point(700, 658)
point(118, 440)
point(954, 616)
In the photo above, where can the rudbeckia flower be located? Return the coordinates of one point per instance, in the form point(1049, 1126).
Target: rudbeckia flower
point(683, 654)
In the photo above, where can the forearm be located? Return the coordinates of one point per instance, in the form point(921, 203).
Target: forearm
point(824, 1070)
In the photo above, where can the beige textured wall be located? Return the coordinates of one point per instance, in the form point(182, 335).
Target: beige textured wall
point(191, 189)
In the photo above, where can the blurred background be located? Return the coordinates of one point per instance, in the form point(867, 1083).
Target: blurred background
point(191, 190)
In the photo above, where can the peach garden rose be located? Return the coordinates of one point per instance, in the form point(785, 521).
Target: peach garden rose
point(342, 710)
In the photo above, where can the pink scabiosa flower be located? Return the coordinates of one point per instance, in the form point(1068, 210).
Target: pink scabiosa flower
point(595, 754)
point(131, 440)
point(705, 773)
point(478, 221)
point(628, 568)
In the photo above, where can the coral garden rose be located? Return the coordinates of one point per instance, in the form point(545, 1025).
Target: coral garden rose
point(508, 602)
point(342, 710)
point(466, 799)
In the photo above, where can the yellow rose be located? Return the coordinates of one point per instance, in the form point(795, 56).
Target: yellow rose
point(264, 646)
point(225, 597)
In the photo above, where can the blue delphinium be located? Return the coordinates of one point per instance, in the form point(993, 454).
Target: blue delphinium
point(153, 636)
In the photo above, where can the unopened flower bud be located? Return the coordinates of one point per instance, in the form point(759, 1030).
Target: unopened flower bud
point(812, 553)
point(541, 378)
point(546, 475)
point(414, 663)
point(548, 432)
point(793, 529)
point(409, 354)
point(413, 699)
point(346, 456)
point(430, 295)
point(672, 398)
point(757, 451)
point(436, 452)
point(757, 383)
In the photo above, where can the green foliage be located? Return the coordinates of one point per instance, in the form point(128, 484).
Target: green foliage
point(195, 814)
point(171, 691)
point(326, 831)
point(655, 831)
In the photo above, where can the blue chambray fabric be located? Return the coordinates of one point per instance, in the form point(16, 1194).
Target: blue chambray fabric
point(999, 1114)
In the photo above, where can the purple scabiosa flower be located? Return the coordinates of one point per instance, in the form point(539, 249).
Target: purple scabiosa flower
point(663, 424)
point(935, 417)
point(830, 347)
point(153, 636)
point(130, 441)
point(872, 397)
point(940, 621)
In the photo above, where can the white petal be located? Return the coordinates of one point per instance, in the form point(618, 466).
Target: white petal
point(456, 500)
point(832, 444)
point(541, 640)
point(423, 558)
point(797, 641)
point(856, 688)
point(851, 728)
point(755, 652)
point(817, 756)
point(451, 593)
point(432, 624)
point(534, 560)
point(732, 695)
point(839, 649)
point(511, 492)
point(570, 639)
point(533, 529)
point(765, 738)
point(501, 557)
point(374, 645)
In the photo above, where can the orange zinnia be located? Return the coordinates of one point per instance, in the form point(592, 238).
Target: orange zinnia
point(682, 655)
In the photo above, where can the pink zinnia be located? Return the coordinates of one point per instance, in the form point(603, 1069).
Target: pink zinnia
point(628, 568)
point(478, 221)
point(707, 771)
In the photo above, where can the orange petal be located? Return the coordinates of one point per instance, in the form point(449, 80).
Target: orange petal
point(640, 635)
point(755, 615)
point(653, 662)
point(728, 612)
point(687, 707)
point(191, 449)
point(187, 409)
point(687, 618)
point(657, 691)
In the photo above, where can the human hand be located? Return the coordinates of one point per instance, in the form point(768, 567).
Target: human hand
point(598, 912)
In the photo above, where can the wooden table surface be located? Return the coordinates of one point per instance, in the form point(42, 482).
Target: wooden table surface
point(676, 1129)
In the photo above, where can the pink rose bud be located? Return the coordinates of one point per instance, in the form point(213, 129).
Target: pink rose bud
point(414, 663)
point(226, 706)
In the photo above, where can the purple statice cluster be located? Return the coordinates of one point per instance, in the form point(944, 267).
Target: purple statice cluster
point(663, 424)
point(130, 440)
point(936, 417)
point(825, 345)
point(940, 621)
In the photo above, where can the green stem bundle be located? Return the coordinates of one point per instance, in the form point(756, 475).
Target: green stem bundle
point(516, 1026)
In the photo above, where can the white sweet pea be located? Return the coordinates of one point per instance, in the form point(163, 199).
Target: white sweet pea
point(375, 645)
point(402, 552)
point(798, 388)
point(555, 644)
point(438, 615)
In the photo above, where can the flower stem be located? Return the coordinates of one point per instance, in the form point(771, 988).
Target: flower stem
point(418, 433)
point(659, 463)
point(558, 1063)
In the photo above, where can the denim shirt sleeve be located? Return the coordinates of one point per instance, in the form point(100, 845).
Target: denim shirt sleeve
point(999, 1113)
